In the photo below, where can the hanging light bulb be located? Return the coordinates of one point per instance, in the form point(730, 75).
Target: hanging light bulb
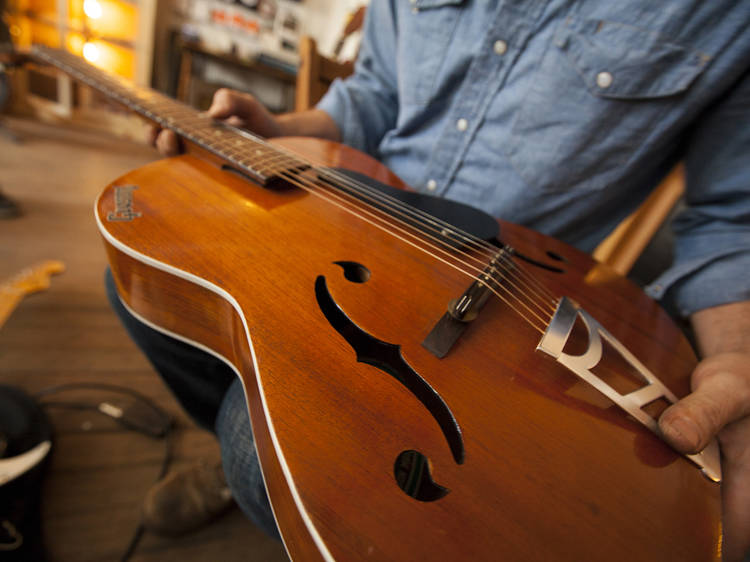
point(92, 9)
point(90, 52)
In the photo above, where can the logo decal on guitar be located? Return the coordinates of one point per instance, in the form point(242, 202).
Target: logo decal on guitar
point(124, 204)
point(387, 357)
point(651, 389)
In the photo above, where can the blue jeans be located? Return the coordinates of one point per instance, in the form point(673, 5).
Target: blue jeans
point(212, 394)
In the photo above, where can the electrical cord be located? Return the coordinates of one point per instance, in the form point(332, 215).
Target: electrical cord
point(140, 529)
point(142, 415)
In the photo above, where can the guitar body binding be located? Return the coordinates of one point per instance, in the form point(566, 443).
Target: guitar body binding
point(545, 461)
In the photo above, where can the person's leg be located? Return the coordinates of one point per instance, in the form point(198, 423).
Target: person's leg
point(197, 379)
point(240, 460)
point(212, 394)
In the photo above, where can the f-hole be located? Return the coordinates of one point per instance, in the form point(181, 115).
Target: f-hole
point(354, 272)
point(412, 472)
point(411, 468)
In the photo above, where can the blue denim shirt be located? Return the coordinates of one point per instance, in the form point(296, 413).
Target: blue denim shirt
point(563, 115)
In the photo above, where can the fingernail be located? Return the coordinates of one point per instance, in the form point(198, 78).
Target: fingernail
point(683, 433)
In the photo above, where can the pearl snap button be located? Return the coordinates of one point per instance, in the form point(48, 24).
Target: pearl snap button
point(432, 185)
point(462, 124)
point(604, 79)
point(500, 47)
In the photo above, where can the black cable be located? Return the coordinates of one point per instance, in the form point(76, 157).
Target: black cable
point(134, 542)
point(166, 433)
point(140, 529)
point(95, 386)
point(142, 415)
point(70, 405)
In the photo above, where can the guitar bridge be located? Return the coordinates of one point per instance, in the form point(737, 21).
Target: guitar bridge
point(463, 310)
point(553, 343)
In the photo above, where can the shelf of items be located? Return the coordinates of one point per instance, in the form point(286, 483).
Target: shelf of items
point(116, 35)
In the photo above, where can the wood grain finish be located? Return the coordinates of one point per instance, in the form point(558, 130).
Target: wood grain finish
point(552, 471)
point(100, 471)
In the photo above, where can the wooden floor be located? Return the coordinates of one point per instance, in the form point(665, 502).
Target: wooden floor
point(99, 471)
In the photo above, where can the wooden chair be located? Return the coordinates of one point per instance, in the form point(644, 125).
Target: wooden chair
point(622, 248)
point(316, 72)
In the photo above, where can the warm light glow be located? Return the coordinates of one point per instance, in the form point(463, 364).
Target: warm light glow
point(90, 52)
point(75, 43)
point(92, 8)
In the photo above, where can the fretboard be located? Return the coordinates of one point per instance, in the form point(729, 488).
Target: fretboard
point(241, 149)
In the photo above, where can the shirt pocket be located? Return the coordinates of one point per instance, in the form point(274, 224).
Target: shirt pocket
point(426, 30)
point(601, 95)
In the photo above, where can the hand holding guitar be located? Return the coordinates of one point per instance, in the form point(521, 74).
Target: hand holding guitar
point(246, 112)
point(720, 403)
point(720, 406)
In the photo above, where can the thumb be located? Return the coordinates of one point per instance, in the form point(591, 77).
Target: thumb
point(721, 395)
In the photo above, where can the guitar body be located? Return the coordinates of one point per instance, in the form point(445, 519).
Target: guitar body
point(548, 468)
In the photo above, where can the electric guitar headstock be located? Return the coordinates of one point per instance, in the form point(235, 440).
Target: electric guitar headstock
point(32, 279)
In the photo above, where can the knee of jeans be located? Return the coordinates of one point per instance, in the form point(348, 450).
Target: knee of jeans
point(236, 439)
point(109, 285)
point(112, 295)
point(240, 460)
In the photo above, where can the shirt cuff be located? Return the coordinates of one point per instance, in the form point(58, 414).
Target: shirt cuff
point(704, 283)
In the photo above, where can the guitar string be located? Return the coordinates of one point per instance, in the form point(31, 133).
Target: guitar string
point(440, 228)
point(446, 234)
point(495, 283)
point(498, 256)
point(441, 250)
point(386, 218)
point(271, 164)
point(125, 97)
point(169, 110)
point(273, 155)
point(441, 232)
point(309, 186)
point(167, 119)
point(378, 220)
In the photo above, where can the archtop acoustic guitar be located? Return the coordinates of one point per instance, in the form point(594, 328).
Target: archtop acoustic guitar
point(424, 382)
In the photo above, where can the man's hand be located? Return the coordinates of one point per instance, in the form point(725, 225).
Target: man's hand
point(719, 406)
point(244, 111)
point(235, 108)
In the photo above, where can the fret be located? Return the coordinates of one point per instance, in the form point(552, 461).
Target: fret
point(250, 153)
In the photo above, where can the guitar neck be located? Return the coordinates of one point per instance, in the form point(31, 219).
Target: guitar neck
point(241, 149)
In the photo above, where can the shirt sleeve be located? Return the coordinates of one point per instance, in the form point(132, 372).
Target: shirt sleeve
point(712, 234)
point(365, 105)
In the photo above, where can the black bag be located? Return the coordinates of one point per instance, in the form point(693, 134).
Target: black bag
point(23, 426)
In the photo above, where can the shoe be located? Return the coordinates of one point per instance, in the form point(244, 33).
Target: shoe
point(186, 500)
point(8, 208)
